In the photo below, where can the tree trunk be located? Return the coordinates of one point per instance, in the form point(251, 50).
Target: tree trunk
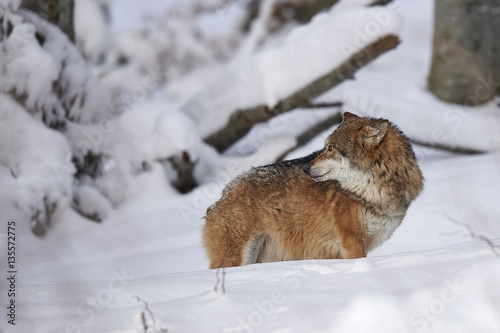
point(59, 13)
point(466, 61)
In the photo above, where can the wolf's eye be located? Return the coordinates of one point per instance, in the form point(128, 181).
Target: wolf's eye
point(330, 148)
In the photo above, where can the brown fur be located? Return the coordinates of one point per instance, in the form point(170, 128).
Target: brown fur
point(349, 198)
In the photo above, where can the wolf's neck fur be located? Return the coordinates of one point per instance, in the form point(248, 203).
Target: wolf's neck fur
point(376, 205)
point(367, 190)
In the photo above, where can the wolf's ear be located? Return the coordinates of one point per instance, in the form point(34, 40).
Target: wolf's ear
point(374, 134)
point(347, 117)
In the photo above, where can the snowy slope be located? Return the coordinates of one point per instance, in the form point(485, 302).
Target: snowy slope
point(148, 242)
point(452, 289)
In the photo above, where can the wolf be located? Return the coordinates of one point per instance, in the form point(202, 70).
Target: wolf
point(337, 203)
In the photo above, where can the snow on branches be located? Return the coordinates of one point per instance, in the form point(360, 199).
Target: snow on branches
point(43, 74)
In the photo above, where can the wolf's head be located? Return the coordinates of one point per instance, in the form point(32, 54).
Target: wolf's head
point(371, 159)
point(348, 148)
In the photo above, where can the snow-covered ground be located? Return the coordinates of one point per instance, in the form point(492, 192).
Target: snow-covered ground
point(433, 275)
point(429, 277)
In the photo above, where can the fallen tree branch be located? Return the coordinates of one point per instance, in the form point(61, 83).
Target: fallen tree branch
point(324, 105)
point(438, 146)
point(242, 121)
point(312, 132)
point(379, 3)
point(335, 119)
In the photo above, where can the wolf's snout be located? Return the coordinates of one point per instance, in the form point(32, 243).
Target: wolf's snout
point(306, 168)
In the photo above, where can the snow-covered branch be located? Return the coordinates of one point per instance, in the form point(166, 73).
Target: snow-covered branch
point(241, 121)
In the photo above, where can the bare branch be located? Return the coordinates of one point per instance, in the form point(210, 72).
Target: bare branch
point(145, 326)
point(146, 307)
point(457, 150)
point(379, 3)
point(312, 132)
point(324, 105)
point(242, 121)
point(335, 119)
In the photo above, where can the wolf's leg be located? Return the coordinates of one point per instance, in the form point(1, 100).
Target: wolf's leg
point(224, 252)
point(352, 248)
point(253, 249)
point(225, 246)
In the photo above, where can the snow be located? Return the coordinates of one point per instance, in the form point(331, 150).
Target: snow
point(80, 92)
point(91, 202)
point(53, 76)
point(258, 29)
point(90, 29)
point(26, 68)
point(11, 5)
point(128, 14)
point(34, 160)
point(437, 290)
point(133, 142)
point(173, 42)
point(432, 275)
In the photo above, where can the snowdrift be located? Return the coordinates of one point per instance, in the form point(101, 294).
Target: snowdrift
point(452, 289)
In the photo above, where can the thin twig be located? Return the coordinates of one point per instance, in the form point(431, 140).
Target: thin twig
point(220, 281)
point(223, 284)
point(143, 316)
point(217, 281)
point(146, 307)
point(144, 322)
point(494, 247)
